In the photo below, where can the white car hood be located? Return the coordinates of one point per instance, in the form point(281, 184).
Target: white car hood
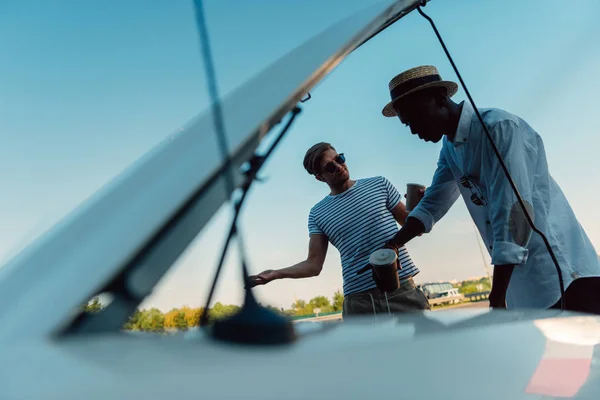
point(454, 354)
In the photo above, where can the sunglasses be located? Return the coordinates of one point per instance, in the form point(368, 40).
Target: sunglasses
point(476, 198)
point(330, 166)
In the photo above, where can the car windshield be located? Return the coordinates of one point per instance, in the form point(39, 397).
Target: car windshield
point(88, 90)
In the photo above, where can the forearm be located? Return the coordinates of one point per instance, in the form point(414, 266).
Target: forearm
point(304, 269)
point(502, 274)
point(510, 226)
point(401, 217)
point(412, 228)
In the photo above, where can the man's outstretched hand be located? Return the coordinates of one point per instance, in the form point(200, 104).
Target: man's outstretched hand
point(263, 278)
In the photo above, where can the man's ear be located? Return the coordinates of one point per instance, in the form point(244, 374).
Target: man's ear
point(319, 178)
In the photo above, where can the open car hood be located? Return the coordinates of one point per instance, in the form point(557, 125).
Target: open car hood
point(453, 354)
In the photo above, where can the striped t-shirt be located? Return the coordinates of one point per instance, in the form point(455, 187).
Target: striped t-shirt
point(358, 222)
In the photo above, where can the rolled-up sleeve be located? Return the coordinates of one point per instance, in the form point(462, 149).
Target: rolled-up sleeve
point(511, 231)
point(439, 197)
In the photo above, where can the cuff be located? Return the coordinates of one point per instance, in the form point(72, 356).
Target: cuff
point(508, 253)
point(425, 217)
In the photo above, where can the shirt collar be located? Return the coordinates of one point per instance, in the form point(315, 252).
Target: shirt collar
point(464, 124)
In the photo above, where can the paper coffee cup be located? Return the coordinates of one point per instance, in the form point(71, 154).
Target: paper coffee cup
point(383, 257)
point(385, 266)
point(413, 195)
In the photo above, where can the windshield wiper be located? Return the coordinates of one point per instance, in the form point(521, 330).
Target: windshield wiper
point(254, 323)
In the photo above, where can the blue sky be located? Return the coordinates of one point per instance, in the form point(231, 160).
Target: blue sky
point(86, 88)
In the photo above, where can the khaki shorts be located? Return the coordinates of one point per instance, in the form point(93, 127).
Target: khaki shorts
point(406, 298)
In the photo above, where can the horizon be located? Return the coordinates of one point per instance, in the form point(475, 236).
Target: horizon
point(200, 306)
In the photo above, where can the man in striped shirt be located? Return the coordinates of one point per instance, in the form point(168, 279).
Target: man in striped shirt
point(357, 217)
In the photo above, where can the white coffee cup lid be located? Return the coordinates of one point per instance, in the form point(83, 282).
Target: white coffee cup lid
point(382, 257)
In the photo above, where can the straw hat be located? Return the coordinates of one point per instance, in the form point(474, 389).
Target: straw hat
point(413, 80)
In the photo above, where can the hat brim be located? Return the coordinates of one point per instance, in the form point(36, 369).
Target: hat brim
point(451, 87)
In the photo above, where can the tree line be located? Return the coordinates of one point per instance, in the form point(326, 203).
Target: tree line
point(154, 320)
point(474, 286)
point(183, 318)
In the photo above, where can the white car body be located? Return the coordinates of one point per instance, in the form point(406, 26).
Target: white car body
point(452, 354)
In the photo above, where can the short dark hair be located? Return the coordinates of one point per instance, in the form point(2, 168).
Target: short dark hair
point(313, 156)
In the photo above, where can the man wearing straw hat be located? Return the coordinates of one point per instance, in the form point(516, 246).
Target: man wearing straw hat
point(357, 217)
point(524, 273)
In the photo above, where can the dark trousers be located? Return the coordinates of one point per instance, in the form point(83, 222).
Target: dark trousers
point(406, 298)
point(582, 295)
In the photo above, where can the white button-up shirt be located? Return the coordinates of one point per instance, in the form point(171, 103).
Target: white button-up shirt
point(500, 220)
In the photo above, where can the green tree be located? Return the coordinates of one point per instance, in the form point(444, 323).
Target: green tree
point(298, 305)
point(223, 311)
point(171, 318)
point(133, 324)
point(338, 301)
point(181, 322)
point(192, 315)
point(320, 302)
point(93, 306)
point(152, 320)
point(289, 313)
point(474, 286)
